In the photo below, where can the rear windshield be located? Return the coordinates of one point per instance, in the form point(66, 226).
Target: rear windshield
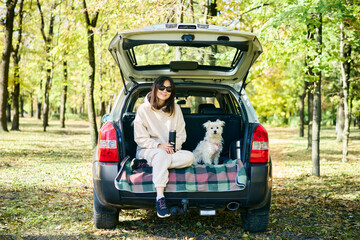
point(223, 57)
point(197, 101)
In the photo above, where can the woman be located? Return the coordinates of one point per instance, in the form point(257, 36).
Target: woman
point(155, 118)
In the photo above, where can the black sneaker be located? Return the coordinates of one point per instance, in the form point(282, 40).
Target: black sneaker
point(162, 210)
point(138, 163)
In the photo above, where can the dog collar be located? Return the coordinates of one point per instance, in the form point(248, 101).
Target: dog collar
point(217, 144)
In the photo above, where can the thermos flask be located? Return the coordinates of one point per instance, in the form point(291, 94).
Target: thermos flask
point(172, 138)
point(238, 149)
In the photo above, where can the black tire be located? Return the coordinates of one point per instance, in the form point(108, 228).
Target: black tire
point(104, 218)
point(256, 220)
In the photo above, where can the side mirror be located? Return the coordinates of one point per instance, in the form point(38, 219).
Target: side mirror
point(105, 118)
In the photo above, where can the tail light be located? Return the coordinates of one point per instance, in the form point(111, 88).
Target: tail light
point(260, 146)
point(107, 145)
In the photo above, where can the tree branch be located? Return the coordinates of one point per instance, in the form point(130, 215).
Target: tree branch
point(52, 19)
point(42, 27)
point(254, 8)
point(87, 19)
point(21, 14)
point(94, 20)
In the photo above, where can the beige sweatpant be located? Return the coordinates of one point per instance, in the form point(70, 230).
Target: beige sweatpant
point(161, 161)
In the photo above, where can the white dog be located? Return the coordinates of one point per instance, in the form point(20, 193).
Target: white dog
point(208, 150)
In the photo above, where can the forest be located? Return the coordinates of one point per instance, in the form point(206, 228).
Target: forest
point(57, 79)
point(55, 63)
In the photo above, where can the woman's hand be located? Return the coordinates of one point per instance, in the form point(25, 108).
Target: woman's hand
point(167, 148)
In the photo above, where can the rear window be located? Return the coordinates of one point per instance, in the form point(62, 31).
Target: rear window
point(194, 101)
point(162, 54)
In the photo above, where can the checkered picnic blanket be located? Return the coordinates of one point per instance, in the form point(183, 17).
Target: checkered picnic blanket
point(230, 176)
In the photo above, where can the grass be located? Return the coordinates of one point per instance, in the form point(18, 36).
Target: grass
point(46, 191)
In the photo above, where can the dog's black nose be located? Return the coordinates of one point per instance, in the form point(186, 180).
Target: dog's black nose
point(215, 132)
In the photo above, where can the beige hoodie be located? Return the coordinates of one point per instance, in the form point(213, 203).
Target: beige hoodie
point(152, 126)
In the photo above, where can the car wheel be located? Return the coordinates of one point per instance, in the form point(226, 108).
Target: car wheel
point(104, 218)
point(256, 220)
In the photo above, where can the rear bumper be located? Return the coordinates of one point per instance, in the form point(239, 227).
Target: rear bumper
point(253, 196)
point(104, 187)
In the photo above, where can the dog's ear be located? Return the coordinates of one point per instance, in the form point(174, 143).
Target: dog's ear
point(222, 123)
point(207, 124)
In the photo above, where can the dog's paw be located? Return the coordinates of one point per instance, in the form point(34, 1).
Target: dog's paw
point(207, 162)
point(198, 161)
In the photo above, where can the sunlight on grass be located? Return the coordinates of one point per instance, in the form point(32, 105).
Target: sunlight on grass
point(46, 190)
point(46, 178)
point(304, 203)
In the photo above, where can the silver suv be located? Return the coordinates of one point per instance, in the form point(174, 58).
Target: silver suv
point(209, 65)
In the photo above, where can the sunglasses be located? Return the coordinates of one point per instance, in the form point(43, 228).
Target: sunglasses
point(162, 88)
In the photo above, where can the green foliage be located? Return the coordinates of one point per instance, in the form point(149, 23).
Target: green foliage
point(276, 80)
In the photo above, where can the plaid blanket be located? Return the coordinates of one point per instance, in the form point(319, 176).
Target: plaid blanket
point(230, 176)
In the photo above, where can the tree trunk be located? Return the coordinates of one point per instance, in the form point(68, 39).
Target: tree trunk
point(192, 17)
point(22, 106)
point(31, 105)
point(345, 53)
point(301, 110)
point(91, 24)
point(109, 107)
point(82, 108)
point(102, 101)
point(16, 95)
point(8, 113)
point(213, 10)
point(180, 12)
point(317, 108)
point(38, 108)
point(50, 65)
point(205, 12)
point(16, 58)
point(310, 87)
point(64, 96)
point(316, 129)
point(310, 113)
point(351, 96)
point(5, 62)
point(340, 118)
point(102, 112)
point(47, 97)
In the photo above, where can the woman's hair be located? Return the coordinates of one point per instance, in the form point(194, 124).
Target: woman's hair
point(169, 105)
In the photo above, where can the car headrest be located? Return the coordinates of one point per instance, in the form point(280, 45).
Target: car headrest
point(205, 105)
point(186, 110)
point(212, 111)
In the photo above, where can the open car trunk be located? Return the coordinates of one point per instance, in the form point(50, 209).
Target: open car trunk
point(194, 52)
point(199, 104)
